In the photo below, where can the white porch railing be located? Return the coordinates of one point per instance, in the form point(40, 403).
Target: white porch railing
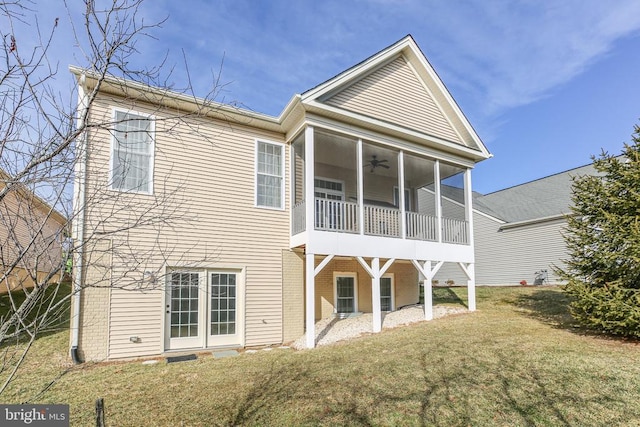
point(342, 216)
point(336, 215)
point(455, 231)
point(299, 224)
point(381, 221)
point(421, 227)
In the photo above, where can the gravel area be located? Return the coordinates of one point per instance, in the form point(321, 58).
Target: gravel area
point(332, 330)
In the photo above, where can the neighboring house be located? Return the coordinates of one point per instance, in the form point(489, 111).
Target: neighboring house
point(519, 231)
point(31, 236)
point(314, 213)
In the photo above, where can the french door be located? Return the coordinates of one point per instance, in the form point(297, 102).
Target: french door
point(203, 309)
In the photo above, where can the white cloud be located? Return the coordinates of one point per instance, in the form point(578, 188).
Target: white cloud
point(518, 52)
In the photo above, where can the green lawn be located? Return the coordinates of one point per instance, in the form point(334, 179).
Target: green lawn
point(517, 361)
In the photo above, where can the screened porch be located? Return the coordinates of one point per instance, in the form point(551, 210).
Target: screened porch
point(360, 187)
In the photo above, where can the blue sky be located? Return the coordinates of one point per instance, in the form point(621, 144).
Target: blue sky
point(546, 84)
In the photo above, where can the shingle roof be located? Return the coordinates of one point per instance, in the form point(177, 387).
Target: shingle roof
point(544, 197)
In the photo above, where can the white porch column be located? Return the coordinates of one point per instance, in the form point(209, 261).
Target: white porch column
point(470, 271)
point(403, 215)
point(471, 288)
point(309, 183)
point(376, 272)
point(360, 189)
point(428, 273)
point(436, 175)
point(468, 206)
point(310, 303)
point(428, 292)
point(375, 295)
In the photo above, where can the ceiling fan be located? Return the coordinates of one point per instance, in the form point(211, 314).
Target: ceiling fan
point(374, 163)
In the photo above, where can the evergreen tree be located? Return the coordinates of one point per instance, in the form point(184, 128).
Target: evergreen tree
point(603, 240)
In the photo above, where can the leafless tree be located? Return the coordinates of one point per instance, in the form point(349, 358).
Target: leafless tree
point(43, 134)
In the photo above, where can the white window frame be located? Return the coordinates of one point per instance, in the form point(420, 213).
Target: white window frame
point(329, 191)
point(152, 134)
point(282, 176)
point(337, 274)
point(407, 197)
point(393, 290)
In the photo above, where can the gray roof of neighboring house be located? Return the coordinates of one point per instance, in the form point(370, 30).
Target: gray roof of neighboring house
point(544, 197)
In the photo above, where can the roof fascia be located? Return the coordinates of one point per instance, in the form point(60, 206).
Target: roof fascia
point(407, 47)
point(358, 71)
point(517, 224)
point(158, 96)
point(38, 202)
point(416, 54)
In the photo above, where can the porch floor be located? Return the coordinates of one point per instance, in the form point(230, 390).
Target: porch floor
point(332, 329)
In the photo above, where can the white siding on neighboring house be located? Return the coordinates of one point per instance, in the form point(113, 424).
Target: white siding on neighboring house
point(379, 94)
point(512, 255)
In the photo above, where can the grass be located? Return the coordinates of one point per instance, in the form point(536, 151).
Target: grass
point(517, 361)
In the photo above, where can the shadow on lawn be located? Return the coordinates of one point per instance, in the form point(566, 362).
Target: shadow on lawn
point(548, 305)
point(446, 295)
point(442, 388)
point(56, 320)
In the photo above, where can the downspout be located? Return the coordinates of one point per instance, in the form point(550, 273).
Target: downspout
point(79, 189)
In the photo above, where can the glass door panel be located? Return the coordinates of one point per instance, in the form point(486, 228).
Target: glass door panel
point(183, 310)
point(223, 309)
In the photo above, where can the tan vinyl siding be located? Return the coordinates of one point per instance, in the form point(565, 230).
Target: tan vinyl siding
point(405, 285)
point(204, 192)
point(25, 224)
point(509, 256)
point(395, 94)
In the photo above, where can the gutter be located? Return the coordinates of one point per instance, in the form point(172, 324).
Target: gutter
point(532, 221)
point(79, 200)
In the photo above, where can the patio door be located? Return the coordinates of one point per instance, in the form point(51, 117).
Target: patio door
point(223, 309)
point(204, 309)
point(183, 310)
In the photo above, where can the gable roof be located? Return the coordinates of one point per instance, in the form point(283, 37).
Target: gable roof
point(35, 202)
point(397, 89)
point(395, 92)
point(542, 198)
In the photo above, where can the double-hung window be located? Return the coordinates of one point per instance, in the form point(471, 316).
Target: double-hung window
point(132, 152)
point(270, 175)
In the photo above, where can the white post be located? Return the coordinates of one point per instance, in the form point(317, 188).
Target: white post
point(310, 303)
point(436, 174)
point(375, 295)
point(468, 206)
point(309, 182)
point(360, 162)
point(403, 215)
point(428, 292)
point(471, 288)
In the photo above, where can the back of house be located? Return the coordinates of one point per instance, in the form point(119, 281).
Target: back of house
point(207, 226)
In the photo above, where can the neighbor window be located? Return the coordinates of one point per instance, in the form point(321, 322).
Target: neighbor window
point(132, 152)
point(269, 175)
